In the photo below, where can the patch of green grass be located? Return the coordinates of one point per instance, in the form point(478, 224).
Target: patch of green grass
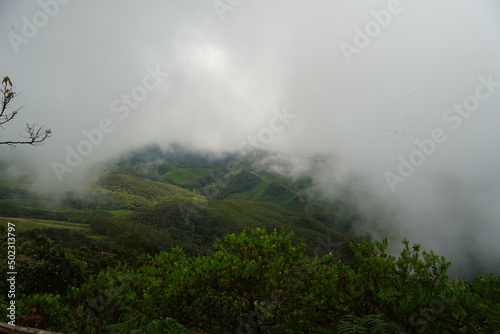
point(73, 215)
point(23, 224)
point(262, 192)
point(132, 185)
point(36, 204)
point(129, 192)
point(183, 175)
point(249, 214)
point(236, 215)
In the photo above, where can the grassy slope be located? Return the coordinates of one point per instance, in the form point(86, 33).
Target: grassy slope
point(246, 214)
point(271, 203)
point(241, 214)
point(23, 224)
point(183, 175)
point(72, 215)
point(135, 186)
point(262, 192)
point(193, 223)
point(132, 192)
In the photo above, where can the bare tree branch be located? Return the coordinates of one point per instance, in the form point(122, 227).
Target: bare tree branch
point(34, 135)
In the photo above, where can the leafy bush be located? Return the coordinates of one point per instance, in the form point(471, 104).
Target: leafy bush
point(47, 267)
point(259, 282)
point(45, 311)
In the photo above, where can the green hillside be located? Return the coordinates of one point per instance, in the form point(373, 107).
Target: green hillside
point(188, 205)
point(184, 175)
point(160, 244)
point(125, 185)
point(188, 198)
point(23, 224)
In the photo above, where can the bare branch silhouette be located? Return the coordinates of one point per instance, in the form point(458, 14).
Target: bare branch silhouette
point(34, 135)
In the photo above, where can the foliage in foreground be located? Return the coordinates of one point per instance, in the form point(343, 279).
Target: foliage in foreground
point(259, 282)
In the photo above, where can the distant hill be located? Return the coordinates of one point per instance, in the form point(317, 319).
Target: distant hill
point(152, 199)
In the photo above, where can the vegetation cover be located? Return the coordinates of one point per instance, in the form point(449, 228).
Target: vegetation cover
point(176, 242)
point(252, 282)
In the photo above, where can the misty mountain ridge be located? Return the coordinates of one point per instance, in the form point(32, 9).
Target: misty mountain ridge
point(155, 219)
point(182, 197)
point(181, 191)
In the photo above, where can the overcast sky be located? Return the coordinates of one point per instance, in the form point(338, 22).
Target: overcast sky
point(356, 81)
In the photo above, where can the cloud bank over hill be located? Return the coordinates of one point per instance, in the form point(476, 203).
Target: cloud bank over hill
point(401, 97)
